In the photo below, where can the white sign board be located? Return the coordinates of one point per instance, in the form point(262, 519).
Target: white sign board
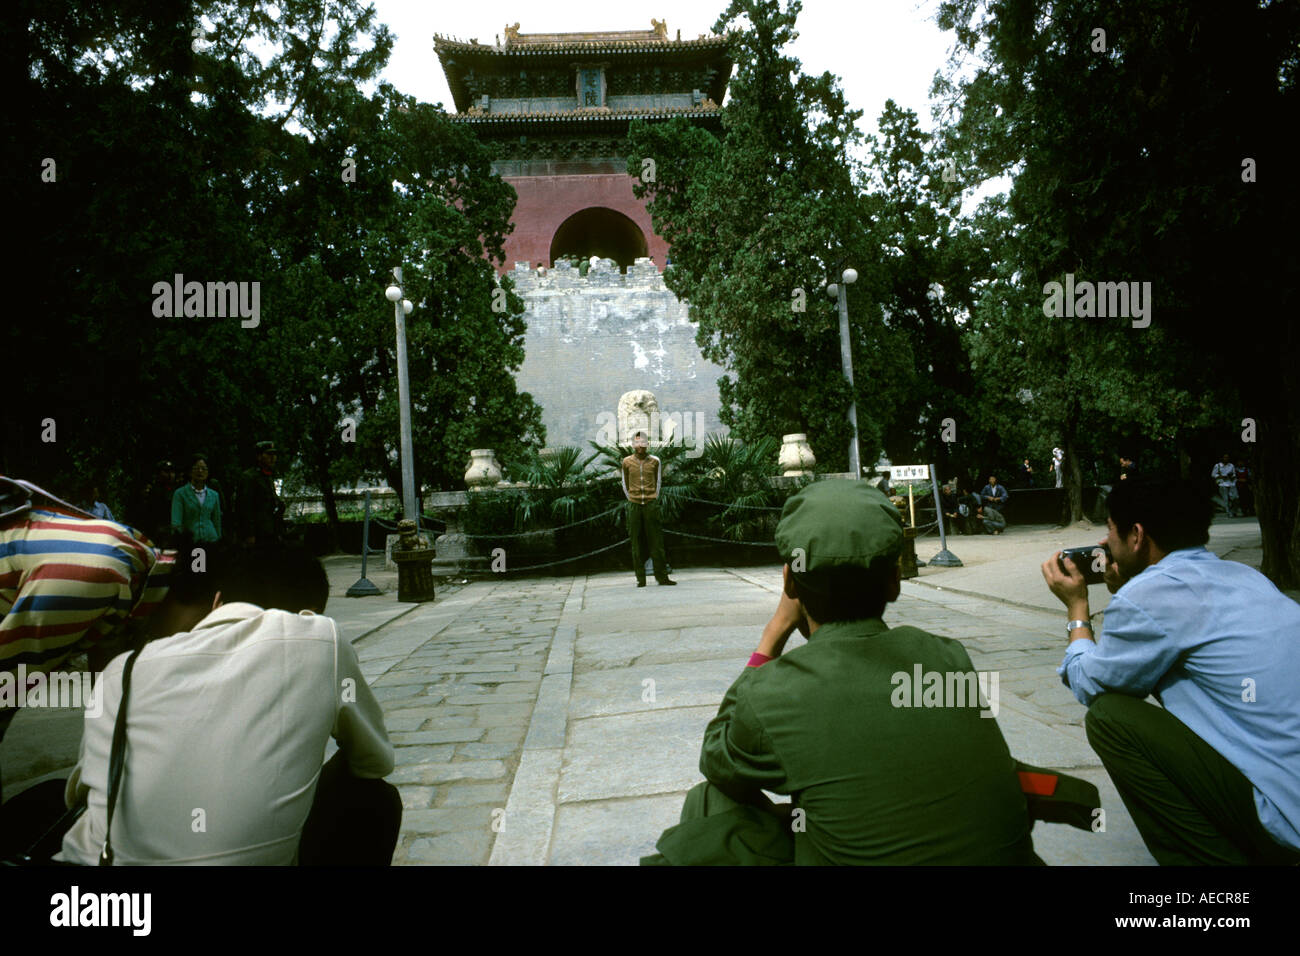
point(909, 472)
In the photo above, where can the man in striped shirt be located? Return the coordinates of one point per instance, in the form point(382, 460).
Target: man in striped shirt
point(69, 583)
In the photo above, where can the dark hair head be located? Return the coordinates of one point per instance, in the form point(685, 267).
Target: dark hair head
point(291, 579)
point(845, 592)
point(197, 577)
point(1174, 513)
point(288, 578)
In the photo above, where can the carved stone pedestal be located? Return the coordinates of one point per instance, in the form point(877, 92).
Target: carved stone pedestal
point(414, 566)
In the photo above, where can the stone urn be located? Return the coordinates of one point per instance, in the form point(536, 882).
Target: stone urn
point(796, 458)
point(484, 472)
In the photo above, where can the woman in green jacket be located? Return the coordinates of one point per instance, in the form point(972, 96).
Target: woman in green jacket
point(196, 508)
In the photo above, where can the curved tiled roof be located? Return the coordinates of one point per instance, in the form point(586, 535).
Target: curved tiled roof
point(628, 41)
point(553, 51)
point(583, 46)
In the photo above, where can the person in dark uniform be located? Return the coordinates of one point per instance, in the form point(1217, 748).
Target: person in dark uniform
point(152, 511)
point(876, 775)
point(259, 512)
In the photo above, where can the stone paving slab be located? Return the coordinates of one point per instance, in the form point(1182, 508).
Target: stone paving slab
point(634, 754)
point(651, 686)
point(613, 832)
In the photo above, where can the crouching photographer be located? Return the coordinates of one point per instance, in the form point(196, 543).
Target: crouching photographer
point(1209, 776)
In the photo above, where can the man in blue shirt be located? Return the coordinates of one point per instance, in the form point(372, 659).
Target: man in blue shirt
point(1212, 776)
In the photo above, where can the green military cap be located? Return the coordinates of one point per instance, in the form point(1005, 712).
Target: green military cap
point(839, 524)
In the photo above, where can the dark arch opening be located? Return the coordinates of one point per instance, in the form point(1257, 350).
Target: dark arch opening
point(601, 232)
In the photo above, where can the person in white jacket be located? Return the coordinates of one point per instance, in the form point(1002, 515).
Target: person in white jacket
point(1225, 475)
point(228, 722)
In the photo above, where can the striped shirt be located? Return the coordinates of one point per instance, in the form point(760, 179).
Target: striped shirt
point(68, 582)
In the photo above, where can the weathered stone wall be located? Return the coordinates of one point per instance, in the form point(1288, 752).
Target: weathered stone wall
point(592, 338)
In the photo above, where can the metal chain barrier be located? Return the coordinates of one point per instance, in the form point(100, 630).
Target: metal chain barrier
point(723, 504)
point(703, 537)
point(551, 564)
point(525, 534)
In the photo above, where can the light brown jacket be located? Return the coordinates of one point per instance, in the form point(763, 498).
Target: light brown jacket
point(641, 478)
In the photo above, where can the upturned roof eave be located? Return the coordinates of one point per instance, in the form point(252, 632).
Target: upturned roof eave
point(576, 117)
point(449, 50)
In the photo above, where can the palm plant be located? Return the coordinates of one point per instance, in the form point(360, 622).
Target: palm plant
point(559, 487)
point(737, 475)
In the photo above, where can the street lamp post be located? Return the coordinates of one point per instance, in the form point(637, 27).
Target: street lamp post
point(401, 308)
point(838, 290)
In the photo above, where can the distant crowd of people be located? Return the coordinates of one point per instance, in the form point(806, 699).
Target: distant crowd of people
point(968, 513)
point(193, 503)
point(982, 513)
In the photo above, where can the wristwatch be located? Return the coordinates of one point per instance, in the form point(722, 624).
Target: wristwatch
point(1072, 625)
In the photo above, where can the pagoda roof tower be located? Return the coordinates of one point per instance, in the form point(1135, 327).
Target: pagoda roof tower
point(557, 107)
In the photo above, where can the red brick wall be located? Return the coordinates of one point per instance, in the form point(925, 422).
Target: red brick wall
point(546, 201)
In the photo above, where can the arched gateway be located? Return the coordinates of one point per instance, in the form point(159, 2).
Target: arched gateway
point(558, 107)
point(599, 232)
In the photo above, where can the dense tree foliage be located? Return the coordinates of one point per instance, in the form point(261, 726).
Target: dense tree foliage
point(1148, 144)
point(229, 142)
point(759, 220)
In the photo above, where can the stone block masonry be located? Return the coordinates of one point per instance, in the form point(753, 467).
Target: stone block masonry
point(591, 338)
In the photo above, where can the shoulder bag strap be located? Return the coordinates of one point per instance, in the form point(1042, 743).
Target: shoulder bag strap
point(115, 759)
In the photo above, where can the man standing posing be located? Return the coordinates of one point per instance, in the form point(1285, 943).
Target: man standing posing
point(642, 475)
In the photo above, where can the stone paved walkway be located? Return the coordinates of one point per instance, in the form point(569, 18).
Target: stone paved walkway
point(458, 680)
point(559, 722)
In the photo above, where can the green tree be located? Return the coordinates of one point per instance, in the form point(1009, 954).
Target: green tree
point(394, 182)
point(209, 139)
point(927, 268)
point(757, 220)
point(1130, 152)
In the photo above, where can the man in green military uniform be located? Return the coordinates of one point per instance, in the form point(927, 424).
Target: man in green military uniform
point(259, 512)
point(879, 773)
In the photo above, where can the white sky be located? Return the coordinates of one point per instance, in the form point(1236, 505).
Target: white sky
point(879, 48)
